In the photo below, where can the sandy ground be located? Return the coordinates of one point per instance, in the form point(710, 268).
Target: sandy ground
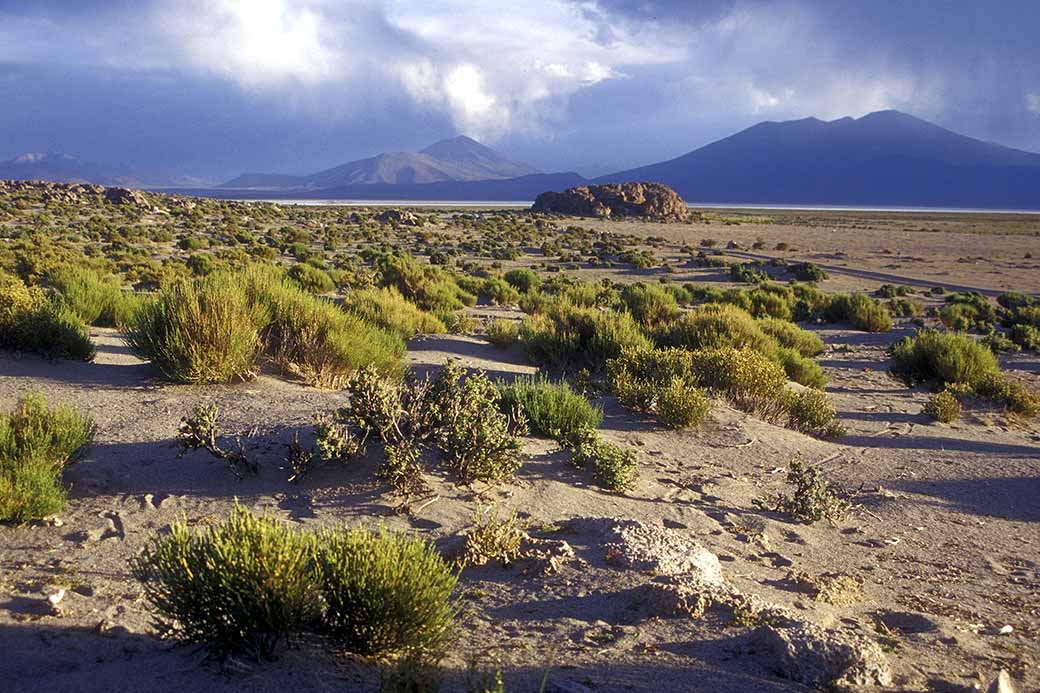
point(945, 539)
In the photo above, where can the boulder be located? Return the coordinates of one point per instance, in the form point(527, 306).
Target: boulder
point(126, 196)
point(652, 201)
point(398, 217)
point(822, 658)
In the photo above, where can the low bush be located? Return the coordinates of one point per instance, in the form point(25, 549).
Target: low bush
point(790, 335)
point(430, 287)
point(385, 592)
point(612, 466)
point(502, 333)
point(552, 409)
point(499, 291)
point(810, 412)
point(744, 377)
point(681, 404)
point(1025, 336)
point(650, 304)
point(715, 326)
point(570, 336)
point(205, 330)
point(808, 272)
point(36, 444)
point(523, 280)
point(479, 441)
point(311, 278)
point(244, 584)
point(95, 298)
point(813, 498)
point(388, 309)
point(859, 311)
point(943, 406)
point(941, 356)
point(800, 369)
point(313, 338)
point(30, 321)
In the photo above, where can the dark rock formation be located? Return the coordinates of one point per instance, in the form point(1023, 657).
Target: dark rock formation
point(616, 201)
point(125, 196)
point(398, 217)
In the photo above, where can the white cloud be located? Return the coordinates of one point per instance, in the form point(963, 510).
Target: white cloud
point(1033, 102)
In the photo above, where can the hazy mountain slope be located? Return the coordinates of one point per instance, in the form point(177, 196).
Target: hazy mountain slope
point(883, 158)
point(456, 159)
point(64, 168)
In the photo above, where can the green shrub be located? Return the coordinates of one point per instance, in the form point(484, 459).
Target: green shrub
point(808, 272)
point(747, 379)
point(746, 273)
point(311, 278)
point(36, 444)
point(903, 308)
point(715, 326)
point(790, 335)
point(479, 441)
point(95, 298)
point(943, 406)
point(813, 499)
point(30, 322)
point(650, 304)
point(385, 593)
point(941, 356)
point(428, 286)
point(313, 338)
point(499, 291)
point(612, 466)
point(204, 330)
point(502, 333)
point(681, 404)
point(801, 369)
point(388, 309)
point(523, 280)
point(571, 336)
point(243, 584)
point(859, 311)
point(809, 411)
point(552, 409)
point(1026, 337)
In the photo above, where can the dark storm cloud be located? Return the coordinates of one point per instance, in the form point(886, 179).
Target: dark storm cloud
point(215, 87)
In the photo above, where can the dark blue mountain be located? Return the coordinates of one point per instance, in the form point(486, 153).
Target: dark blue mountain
point(885, 158)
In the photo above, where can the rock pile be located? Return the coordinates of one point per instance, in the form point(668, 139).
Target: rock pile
point(652, 201)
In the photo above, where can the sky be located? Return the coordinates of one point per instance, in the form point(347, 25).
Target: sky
point(213, 88)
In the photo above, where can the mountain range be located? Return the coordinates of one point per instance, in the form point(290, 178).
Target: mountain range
point(886, 158)
point(458, 159)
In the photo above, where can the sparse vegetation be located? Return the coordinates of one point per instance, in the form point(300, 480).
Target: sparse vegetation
point(813, 498)
point(37, 442)
point(943, 406)
point(551, 409)
point(612, 466)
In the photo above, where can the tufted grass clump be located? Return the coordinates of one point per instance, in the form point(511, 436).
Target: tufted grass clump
point(37, 442)
point(502, 333)
point(552, 409)
point(388, 309)
point(315, 340)
point(492, 538)
point(430, 287)
point(650, 304)
point(943, 406)
point(789, 335)
point(205, 330)
point(32, 322)
point(613, 467)
point(242, 585)
point(661, 382)
point(944, 357)
point(97, 299)
point(385, 592)
point(810, 412)
point(570, 336)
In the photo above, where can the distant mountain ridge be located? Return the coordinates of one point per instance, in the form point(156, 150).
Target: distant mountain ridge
point(65, 168)
point(457, 159)
point(886, 158)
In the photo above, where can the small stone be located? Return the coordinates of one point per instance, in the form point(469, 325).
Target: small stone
point(1001, 684)
point(1006, 630)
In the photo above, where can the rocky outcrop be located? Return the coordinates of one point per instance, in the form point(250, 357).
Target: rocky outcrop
point(397, 217)
point(652, 201)
point(126, 196)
